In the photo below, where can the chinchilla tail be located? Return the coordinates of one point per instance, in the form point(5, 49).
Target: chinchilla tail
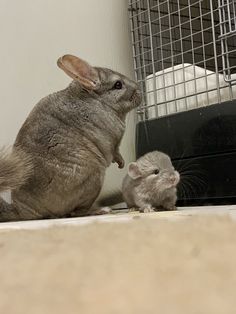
point(15, 169)
point(112, 199)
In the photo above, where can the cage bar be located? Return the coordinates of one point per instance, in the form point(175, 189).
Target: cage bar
point(184, 54)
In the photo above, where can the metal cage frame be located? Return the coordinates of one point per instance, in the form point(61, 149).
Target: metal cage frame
point(184, 54)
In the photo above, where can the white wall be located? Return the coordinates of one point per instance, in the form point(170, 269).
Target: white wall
point(35, 33)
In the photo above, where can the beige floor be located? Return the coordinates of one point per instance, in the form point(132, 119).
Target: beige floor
point(179, 262)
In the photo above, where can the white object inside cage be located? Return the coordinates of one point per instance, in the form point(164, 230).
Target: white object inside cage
point(184, 87)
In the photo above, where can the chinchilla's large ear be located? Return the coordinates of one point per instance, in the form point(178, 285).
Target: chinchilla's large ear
point(134, 171)
point(79, 70)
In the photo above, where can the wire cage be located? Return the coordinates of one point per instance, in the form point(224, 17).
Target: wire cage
point(184, 53)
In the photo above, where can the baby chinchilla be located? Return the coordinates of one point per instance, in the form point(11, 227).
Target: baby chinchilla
point(68, 140)
point(150, 184)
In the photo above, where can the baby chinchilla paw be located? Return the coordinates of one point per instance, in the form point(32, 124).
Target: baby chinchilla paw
point(147, 209)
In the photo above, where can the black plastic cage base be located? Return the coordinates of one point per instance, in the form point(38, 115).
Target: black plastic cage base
point(202, 145)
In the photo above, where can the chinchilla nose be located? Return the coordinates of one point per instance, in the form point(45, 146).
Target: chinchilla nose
point(172, 178)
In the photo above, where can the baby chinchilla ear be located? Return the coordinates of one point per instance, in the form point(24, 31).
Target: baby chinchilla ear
point(134, 171)
point(79, 70)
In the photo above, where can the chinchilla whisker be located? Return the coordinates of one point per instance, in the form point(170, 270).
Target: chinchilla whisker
point(193, 177)
point(186, 192)
point(189, 185)
point(196, 184)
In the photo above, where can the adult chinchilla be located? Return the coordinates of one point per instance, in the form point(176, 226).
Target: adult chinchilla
point(65, 145)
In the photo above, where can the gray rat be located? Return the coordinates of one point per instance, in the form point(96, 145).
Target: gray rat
point(151, 182)
point(67, 142)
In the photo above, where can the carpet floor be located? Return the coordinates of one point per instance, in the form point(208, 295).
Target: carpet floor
point(140, 266)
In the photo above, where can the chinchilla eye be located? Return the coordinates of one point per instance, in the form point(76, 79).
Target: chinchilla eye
point(117, 85)
point(156, 171)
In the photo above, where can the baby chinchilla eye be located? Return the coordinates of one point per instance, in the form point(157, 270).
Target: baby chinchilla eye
point(156, 171)
point(118, 85)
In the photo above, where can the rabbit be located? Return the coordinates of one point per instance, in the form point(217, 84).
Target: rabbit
point(65, 145)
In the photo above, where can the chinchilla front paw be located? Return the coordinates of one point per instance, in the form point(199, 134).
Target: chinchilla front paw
point(119, 160)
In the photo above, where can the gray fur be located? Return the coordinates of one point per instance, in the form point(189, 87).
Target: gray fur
point(71, 136)
point(15, 169)
point(148, 191)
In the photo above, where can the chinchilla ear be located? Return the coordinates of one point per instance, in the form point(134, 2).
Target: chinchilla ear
point(79, 70)
point(134, 171)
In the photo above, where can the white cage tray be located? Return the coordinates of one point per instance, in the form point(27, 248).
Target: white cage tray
point(184, 87)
